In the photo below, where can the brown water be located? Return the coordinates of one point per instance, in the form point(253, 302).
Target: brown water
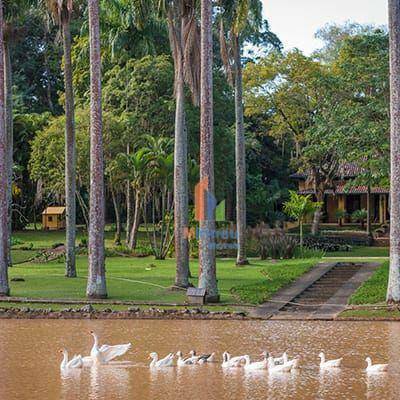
point(29, 360)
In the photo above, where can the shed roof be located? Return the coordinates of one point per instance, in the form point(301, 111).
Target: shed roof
point(54, 211)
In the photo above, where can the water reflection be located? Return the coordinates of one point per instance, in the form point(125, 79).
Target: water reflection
point(70, 384)
point(108, 380)
point(38, 366)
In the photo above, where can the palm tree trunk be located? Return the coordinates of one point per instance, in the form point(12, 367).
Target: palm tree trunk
point(128, 205)
point(10, 137)
point(207, 273)
point(393, 291)
point(96, 286)
point(70, 155)
point(136, 223)
point(240, 152)
point(181, 208)
point(47, 71)
point(4, 215)
point(117, 237)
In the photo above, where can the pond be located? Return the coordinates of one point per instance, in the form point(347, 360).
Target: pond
point(30, 360)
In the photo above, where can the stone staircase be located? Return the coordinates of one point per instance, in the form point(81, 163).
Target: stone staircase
point(317, 294)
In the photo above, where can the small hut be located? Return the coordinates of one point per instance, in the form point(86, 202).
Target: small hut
point(53, 218)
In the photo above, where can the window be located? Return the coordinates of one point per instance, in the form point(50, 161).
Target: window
point(50, 219)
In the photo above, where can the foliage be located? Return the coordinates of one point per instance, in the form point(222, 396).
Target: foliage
point(141, 91)
point(299, 207)
point(360, 216)
point(325, 244)
point(15, 241)
point(340, 214)
point(274, 243)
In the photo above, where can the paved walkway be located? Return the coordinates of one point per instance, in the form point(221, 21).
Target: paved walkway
point(322, 293)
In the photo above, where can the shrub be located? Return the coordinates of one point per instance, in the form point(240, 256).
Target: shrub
point(15, 241)
point(305, 252)
point(274, 243)
point(340, 215)
point(83, 242)
point(360, 216)
point(326, 244)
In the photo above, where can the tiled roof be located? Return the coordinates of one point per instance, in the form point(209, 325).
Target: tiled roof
point(342, 189)
point(346, 170)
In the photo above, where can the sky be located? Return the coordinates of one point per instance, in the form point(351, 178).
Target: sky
point(296, 21)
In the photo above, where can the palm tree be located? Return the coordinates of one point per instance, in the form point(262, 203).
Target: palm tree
point(4, 215)
point(96, 285)
point(14, 14)
point(207, 273)
point(393, 292)
point(184, 36)
point(61, 11)
point(138, 165)
point(244, 22)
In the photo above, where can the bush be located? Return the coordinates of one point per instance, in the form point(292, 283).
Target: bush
point(360, 216)
point(274, 243)
point(326, 244)
point(308, 253)
point(15, 241)
point(83, 242)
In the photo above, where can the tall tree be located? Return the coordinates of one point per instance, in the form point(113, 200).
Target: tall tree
point(96, 285)
point(207, 273)
point(184, 39)
point(14, 13)
point(244, 22)
point(4, 215)
point(393, 292)
point(61, 11)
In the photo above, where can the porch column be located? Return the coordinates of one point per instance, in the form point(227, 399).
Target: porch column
point(382, 208)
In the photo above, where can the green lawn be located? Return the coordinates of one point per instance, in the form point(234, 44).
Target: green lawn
point(361, 251)
point(333, 228)
point(374, 289)
point(146, 279)
point(39, 240)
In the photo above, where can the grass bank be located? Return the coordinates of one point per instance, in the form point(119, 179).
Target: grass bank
point(369, 301)
point(361, 251)
point(146, 279)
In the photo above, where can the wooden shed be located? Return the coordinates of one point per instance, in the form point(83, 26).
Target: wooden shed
point(53, 218)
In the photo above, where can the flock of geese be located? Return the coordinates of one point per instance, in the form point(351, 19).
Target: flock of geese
point(105, 353)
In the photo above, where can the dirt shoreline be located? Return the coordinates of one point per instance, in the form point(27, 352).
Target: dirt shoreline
point(133, 313)
point(159, 314)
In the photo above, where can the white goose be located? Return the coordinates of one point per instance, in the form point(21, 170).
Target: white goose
point(272, 367)
point(228, 362)
point(257, 365)
point(75, 363)
point(294, 362)
point(164, 362)
point(330, 363)
point(277, 360)
point(236, 358)
point(375, 367)
point(202, 358)
point(184, 361)
point(105, 353)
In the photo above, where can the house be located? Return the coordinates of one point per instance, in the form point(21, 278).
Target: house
point(343, 196)
point(53, 218)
